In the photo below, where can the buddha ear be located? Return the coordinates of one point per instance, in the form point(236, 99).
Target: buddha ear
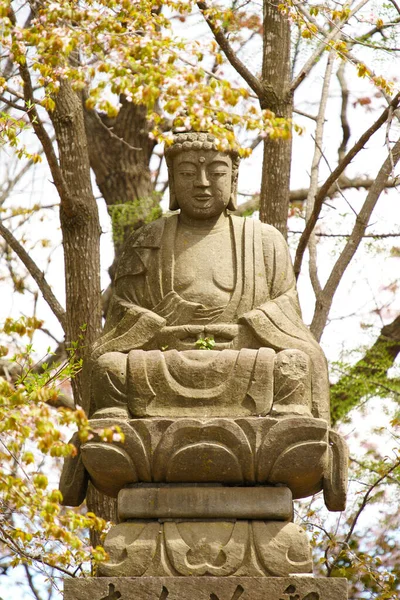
point(173, 204)
point(232, 204)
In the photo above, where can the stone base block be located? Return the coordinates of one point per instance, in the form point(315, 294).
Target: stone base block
point(205, 588)
point(206, 548)
point(147, 501)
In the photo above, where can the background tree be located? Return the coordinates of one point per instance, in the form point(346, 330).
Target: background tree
point(92, 87)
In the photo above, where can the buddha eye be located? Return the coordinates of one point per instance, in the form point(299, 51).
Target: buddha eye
point(187, 173)
point(218, 174)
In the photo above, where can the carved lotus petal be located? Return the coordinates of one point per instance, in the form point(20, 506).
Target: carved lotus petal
point(216, 549)
point(201, 451)
point(282, 548)
point(294, 452)
point(131, 548)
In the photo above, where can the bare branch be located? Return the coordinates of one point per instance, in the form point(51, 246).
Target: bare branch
point(230, 54)
point(347, 55)
point(36, 273)
point(333, 177)
point(363, 504)
point(301, 194)
point(331, 37)
point(31, 583)
point(343, 111)
point(12, 104)
point(397, 7)
point(324, 302)
point(11, 183)
point(373, 236)
point(319, 130)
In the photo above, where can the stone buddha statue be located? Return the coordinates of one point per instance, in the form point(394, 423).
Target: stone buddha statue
point(218, 441)
point(203, 273)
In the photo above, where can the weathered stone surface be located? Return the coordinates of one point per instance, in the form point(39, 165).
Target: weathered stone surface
point(335, 483)
point(205, 273)
point(202, 548)
point(299, 452)
point(206, 588)
point(251, 411)
point(195, 383)
point(204, 502)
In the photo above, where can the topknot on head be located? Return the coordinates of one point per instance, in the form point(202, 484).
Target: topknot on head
point(198, 140)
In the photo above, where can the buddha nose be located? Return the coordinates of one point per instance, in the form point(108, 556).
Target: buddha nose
point(202, 180)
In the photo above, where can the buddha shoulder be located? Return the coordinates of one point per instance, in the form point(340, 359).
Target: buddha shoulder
point(140, 243)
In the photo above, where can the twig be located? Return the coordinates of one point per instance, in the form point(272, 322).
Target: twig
point(36, 273)
point(360, 510)
point(112, 134)
point(10, 543)
point(304, 114)
point(12, 104)
point(40, 130)
point(333, 177)
point(232, 57)
point(10, 185)
point(377, 236)
point(327, 294)
point(31, 583)
point(331, 37)
point(347, 54)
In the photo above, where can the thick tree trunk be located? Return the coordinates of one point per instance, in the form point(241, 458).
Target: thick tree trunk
point(80, 228)
point(81, 240)
point(120, 152)
point(276, 72)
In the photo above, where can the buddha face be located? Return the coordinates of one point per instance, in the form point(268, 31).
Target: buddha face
point(202, 182)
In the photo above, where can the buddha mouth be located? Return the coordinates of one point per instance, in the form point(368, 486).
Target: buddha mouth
point(203, 197)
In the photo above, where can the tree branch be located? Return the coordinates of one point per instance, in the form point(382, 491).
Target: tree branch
point(43, 137)
point(361, 379)
point(343, 112)
point(352, 41)
point(40, 130)
point(360, 510)
point(230, 54)
point(397, 7)
point(324, 303)
point(36, 273)
point(31, 583)
point(333, 177)
point(300, 195)
point(319, 130)
point(331, 37)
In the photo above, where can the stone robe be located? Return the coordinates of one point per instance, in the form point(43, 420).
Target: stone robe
point(263, 304)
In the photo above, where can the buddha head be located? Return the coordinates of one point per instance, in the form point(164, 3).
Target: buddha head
point(202, 178)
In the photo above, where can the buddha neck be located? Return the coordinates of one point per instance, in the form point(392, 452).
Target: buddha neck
point(204, 226)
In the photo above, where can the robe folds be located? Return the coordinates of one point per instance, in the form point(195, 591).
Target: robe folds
point(264, 298)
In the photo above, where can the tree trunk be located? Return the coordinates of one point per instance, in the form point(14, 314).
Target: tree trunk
point(276, 73)
point(120, 152)
point(80, 228)
point(81, 240)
